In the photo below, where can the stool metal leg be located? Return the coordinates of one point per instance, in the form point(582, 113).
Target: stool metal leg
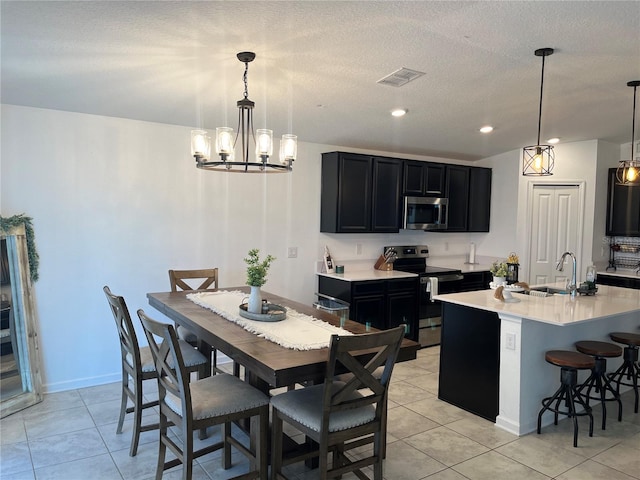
point(568, 392)
point(630, 371)
point(598, 381)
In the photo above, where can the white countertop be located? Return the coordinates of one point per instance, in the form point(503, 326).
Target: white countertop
point(459, 262)
point(620, 272)
point(556, 310)
point(371, 274)
point(362, 270)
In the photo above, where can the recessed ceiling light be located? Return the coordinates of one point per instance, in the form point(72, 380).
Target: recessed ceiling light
point(486, 129)
point(399, 112)
point(553, 140)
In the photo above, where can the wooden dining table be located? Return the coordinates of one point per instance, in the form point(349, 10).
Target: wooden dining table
point(267, 364)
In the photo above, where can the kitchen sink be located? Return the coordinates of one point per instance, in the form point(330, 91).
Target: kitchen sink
point(545, 291)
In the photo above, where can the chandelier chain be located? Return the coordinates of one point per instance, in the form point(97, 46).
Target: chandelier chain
point(245, 78)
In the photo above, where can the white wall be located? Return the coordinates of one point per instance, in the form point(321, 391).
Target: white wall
point(502, 238)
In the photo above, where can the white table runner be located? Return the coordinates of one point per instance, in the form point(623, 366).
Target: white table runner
point(298, 331)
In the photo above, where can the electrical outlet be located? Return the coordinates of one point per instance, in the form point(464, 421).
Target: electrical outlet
point(292, 252)
point(358, 249)
point(510, 341)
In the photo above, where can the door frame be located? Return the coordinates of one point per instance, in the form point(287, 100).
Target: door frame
point(581, 184)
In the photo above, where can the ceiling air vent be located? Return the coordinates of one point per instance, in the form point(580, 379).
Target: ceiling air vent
point(400, 77)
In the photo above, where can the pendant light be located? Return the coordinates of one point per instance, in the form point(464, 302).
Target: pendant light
point(538, 160)
point(225, 143)
point(628, 172)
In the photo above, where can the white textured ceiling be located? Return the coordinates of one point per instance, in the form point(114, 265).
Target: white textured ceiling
point(318, 62)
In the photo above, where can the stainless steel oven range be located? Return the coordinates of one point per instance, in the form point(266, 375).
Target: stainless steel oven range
point(433, 280)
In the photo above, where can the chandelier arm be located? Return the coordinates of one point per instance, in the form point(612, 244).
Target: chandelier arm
point(248, 119)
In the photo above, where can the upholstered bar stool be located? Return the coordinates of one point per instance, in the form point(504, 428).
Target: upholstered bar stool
point(598, 379)
point(569, 363)
point(629, 370)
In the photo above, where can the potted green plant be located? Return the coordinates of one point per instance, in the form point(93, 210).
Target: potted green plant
point(499, 271)
point(256, 277)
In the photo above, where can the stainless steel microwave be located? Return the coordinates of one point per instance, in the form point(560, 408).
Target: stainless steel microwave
point(425, 213)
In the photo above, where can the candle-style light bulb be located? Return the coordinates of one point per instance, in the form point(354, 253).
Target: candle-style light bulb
point(537, 160)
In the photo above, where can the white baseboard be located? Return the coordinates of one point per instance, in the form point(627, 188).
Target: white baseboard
point(81, 383)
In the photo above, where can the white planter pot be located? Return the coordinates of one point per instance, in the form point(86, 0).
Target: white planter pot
point(255, 301)
point(497, 281)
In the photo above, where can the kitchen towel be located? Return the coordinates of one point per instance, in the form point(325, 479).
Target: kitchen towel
point(432, 286)
point(472, 253)
point(298, 331)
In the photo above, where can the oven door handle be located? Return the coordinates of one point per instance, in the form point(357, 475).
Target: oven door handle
point(456, 277)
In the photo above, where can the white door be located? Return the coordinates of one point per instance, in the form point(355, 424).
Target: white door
point(556, 227)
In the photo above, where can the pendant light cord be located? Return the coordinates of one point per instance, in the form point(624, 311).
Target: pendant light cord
point(540, 109)
point(633, 121)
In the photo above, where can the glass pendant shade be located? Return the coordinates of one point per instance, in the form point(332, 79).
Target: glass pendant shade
point(288, 148)
point(224, 141)
point(200, 144)
point(264, 144)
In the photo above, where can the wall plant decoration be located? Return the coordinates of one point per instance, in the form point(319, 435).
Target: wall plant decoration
point(8, 223)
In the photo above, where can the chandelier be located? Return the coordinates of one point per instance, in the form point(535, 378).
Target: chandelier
point(225, 143)
point(538, 160)
point(628, 172)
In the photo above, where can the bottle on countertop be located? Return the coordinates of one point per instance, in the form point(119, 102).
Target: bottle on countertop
point(591, 277)
point(328, 261)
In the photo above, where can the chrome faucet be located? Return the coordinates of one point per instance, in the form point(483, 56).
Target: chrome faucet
point(572, 287)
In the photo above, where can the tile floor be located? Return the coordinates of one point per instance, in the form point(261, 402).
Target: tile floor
point(71, 436)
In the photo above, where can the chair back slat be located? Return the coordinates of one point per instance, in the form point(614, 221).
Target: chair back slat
point(129, 349)
point(343, 351)
point(173, 377)
point(207, 276)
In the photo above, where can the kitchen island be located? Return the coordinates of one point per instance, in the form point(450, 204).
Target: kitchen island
point(525, 330)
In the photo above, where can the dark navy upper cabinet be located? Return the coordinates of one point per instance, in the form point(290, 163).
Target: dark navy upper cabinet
point(423, 179)
point(360, 193)
point(469, 192)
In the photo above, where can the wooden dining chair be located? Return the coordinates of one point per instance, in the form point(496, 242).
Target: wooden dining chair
point(187, 280)
point(216, 400)
point(338, 415)
point(137, 366)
